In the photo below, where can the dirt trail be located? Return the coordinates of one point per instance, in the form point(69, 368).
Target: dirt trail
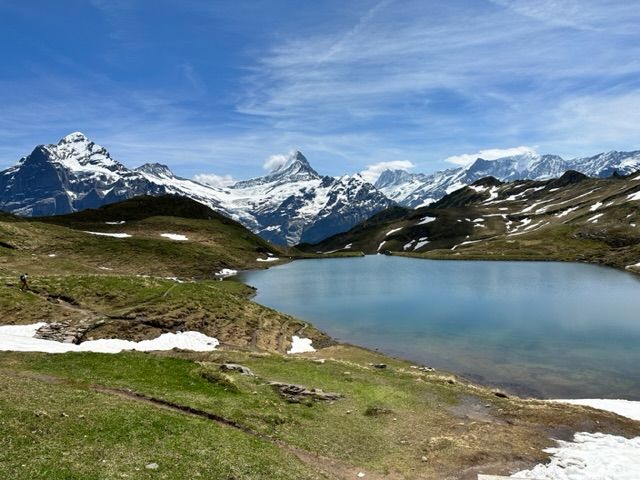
point(328, 466)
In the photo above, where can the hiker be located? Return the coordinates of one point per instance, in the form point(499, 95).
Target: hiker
point(24, 281)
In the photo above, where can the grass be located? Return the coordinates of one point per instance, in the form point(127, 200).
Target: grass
point(387, 421)
point(57, 431)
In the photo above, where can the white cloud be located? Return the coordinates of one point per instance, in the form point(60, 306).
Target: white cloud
point(373, 171)
point(490, 154)
point(214, 180)
point(273, 162)
point(597, 122)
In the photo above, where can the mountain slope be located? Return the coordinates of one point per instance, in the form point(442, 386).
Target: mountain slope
point(416, 190)
point(291, 204)
point(295, 204)
point(573, 217)
point(161, 236)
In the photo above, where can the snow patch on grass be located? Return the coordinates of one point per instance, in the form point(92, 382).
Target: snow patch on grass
point(595, 218)
point(590, 456)
point(114, 235)
point(625, 408)
point(392, 231)
point(426, 220)
point(270, 259)
point(21, 338)
point(301, 345)
point(226, 272)
point(174, 236)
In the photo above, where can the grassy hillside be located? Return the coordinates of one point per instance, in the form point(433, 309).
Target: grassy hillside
point(129, 287)
point(178, 415)
point(573, 218)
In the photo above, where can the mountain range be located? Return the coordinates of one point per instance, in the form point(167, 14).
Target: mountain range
point(570, 218)
point(290, 205)
point(415, 190)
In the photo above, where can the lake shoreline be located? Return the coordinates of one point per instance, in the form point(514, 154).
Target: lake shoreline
point(485, 379)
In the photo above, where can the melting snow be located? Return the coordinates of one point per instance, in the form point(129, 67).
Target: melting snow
point(114, 235)
point(590, 456)
point(20, 338)
point(121, 222)
point(300, 345)
point(270, 259)
point(595, 206)
point(174, 236)
point(566, 212)
point(426, 220)
point(595, 218)
point(392, 231)
point(381, 244)
point(625, 408)
point(408, 245)
point(421, 243)
point(226, 272)
point(634, 196)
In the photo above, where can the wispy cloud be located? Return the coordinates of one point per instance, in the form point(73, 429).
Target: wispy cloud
point(380, 81)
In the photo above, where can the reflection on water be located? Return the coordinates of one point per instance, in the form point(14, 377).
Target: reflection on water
point(539, 328)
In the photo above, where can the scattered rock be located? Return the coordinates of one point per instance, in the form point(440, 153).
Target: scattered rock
point(234, 367)
point(375, 411)
point(361, 475)
point(62, 414)
point(500, 394)
point(424, 459)
point(379, 365)
point(319, 360)
point(151, 466)
point(423, 368)
point(295, 393)
point(41, 413)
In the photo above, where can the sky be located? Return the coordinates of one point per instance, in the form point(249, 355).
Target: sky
point(223, 89)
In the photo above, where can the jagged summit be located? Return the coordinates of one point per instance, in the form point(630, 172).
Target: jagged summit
point(157, 169)
point(74, 137)
point(296, 168)
point(393, 177)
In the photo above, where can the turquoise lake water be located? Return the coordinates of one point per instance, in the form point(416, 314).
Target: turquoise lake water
point(546, 329)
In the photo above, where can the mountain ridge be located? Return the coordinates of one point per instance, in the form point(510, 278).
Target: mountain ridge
point(293, 203)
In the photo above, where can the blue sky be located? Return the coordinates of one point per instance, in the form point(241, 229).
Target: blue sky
point(218, 87)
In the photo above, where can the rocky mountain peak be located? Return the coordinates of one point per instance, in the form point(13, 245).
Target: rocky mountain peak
point(392, 177)
point(74, 137)
point(156, 169)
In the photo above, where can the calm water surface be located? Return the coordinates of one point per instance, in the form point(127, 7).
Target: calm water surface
point(558, 330)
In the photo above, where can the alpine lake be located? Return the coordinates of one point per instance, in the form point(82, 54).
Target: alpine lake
point(541, 329)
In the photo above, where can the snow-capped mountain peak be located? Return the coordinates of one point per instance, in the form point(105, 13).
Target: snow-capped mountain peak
point(292, 203)
point(76, 152)
point(156, 169)
point(295, 168)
